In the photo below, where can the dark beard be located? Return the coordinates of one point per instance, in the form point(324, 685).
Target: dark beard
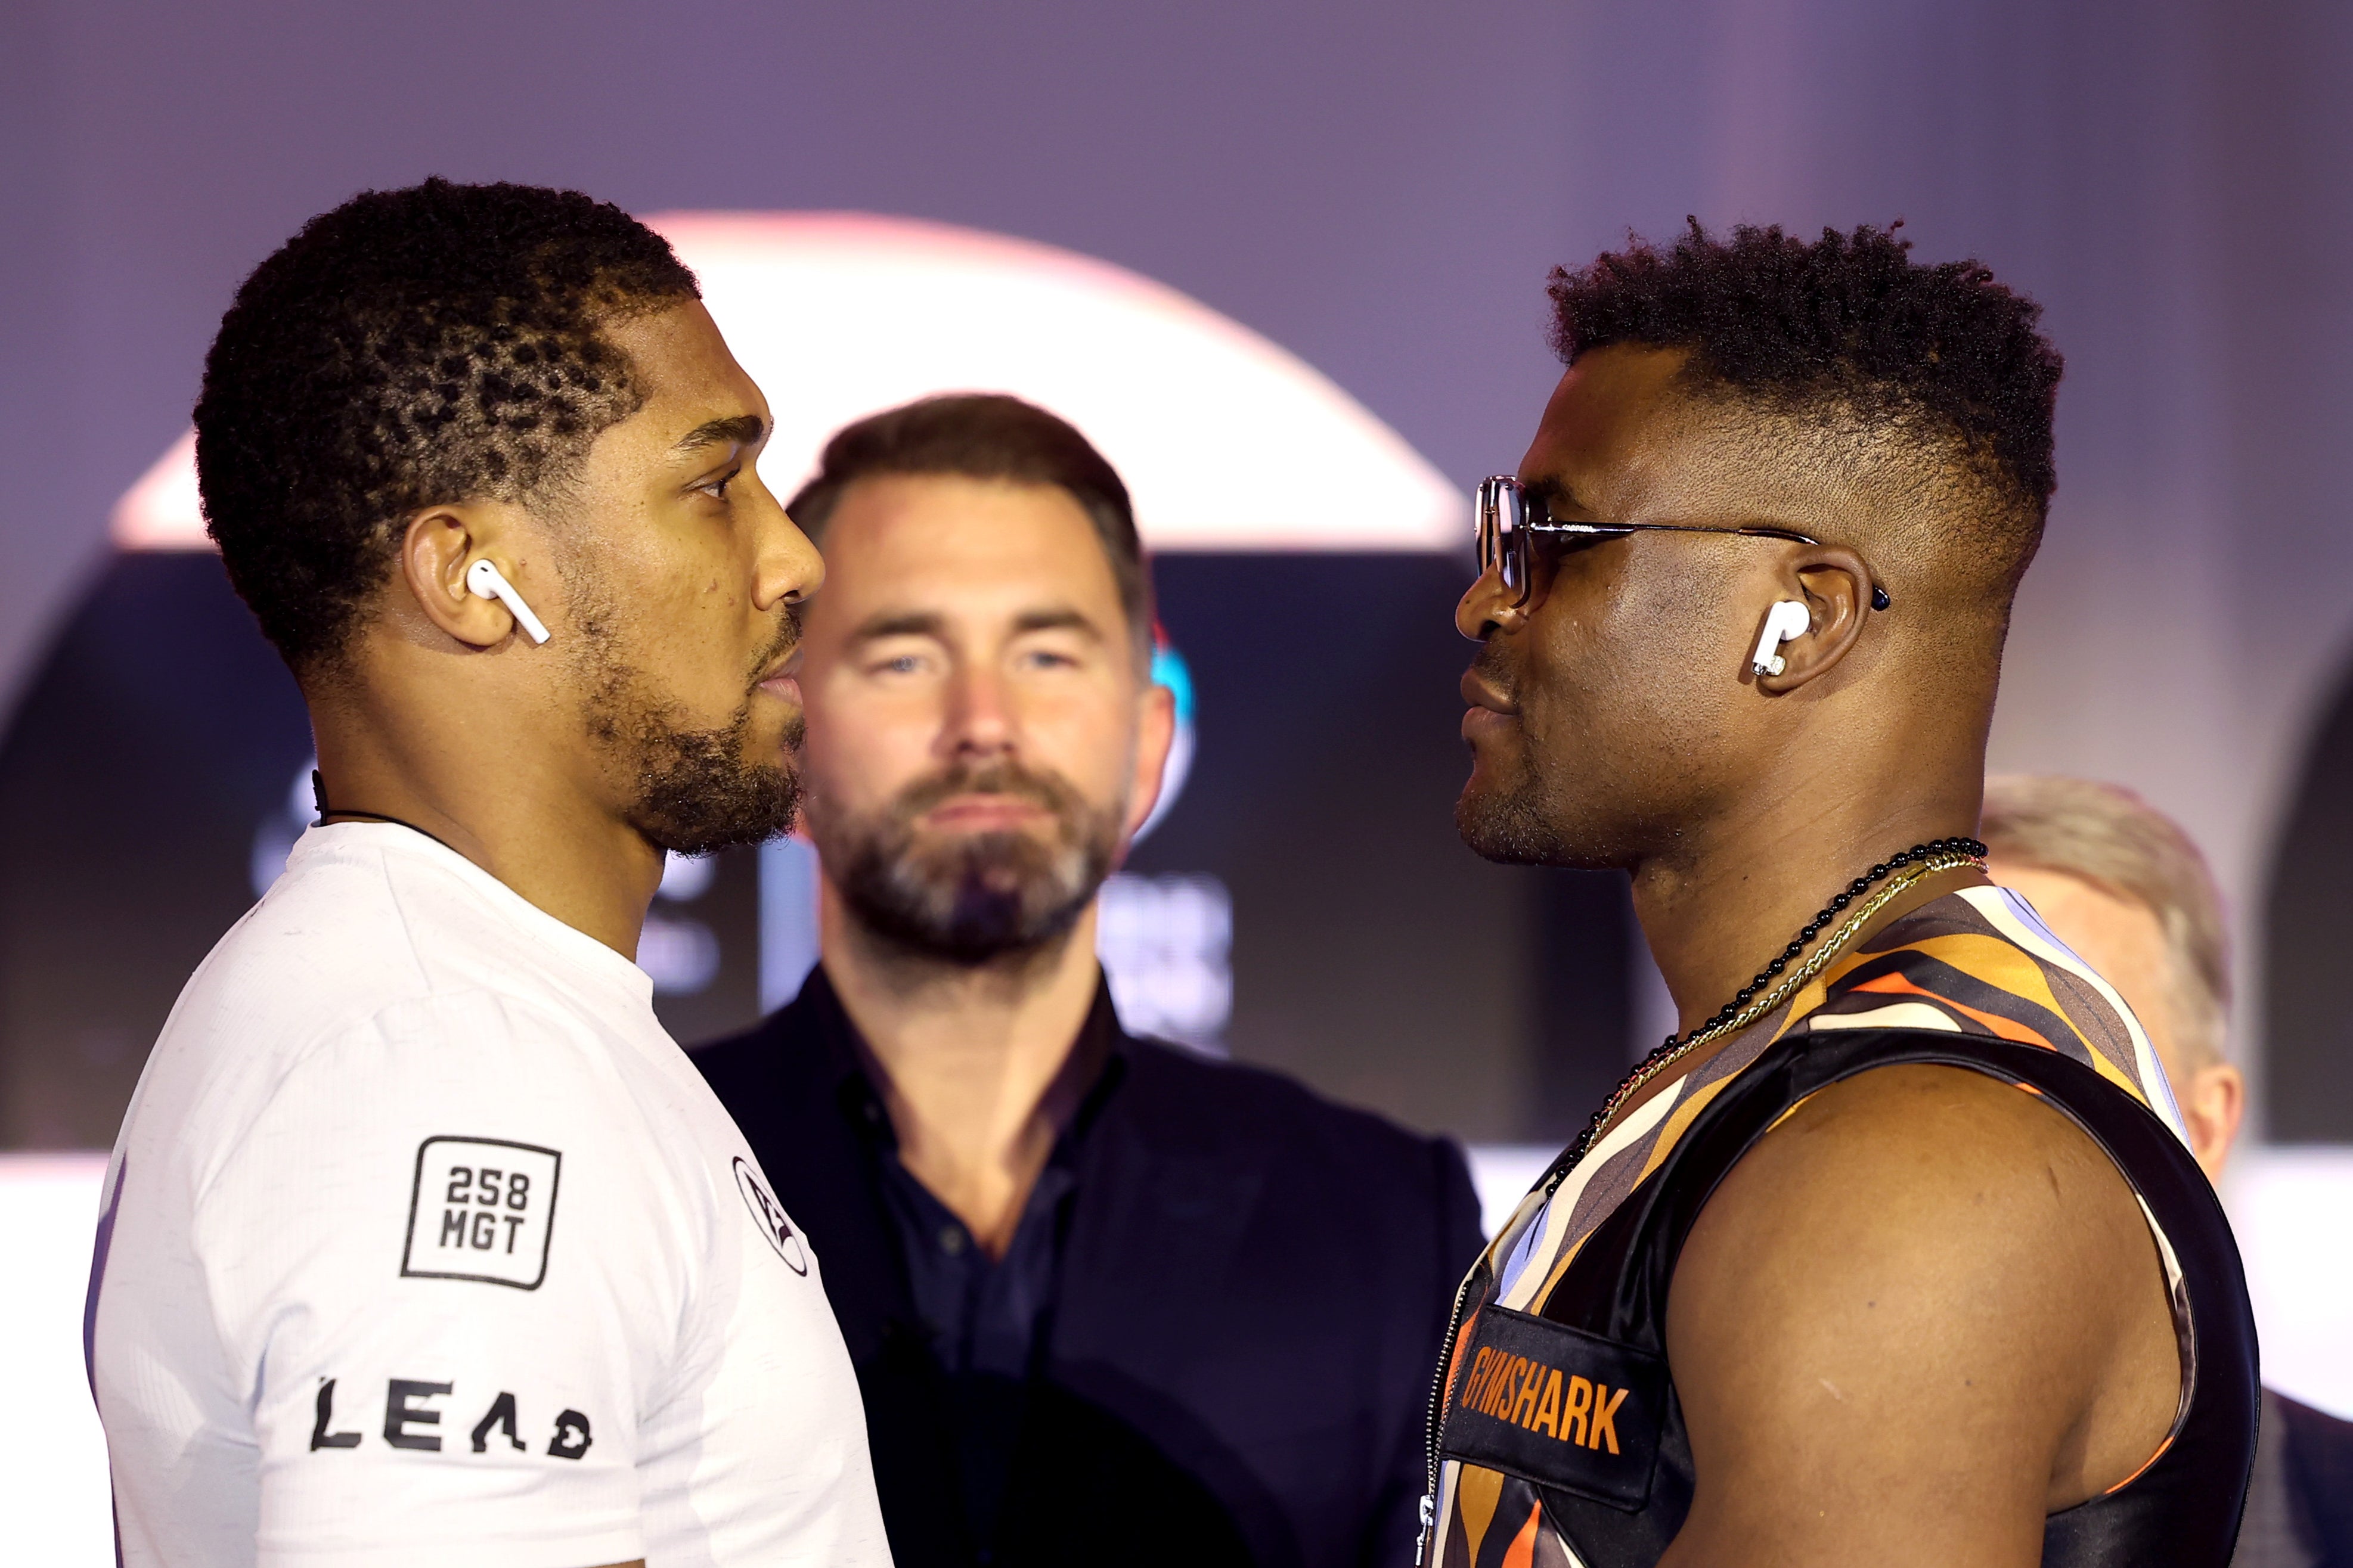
point(985, 896)
point(695, 791)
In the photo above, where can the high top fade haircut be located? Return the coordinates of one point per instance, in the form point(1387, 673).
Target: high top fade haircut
point(410, 349)
point(989, 435)
point(1849, 336)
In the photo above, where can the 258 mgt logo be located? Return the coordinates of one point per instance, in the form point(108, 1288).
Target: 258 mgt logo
point(482, 1209)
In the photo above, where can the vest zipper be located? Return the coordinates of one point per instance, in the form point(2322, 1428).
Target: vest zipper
point(1423, 1545)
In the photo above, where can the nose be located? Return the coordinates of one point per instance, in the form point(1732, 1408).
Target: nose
point(789, 568)
point(980, 719)
point(1487, 607)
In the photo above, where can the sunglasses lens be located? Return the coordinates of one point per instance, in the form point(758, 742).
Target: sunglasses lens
point(1500, 539)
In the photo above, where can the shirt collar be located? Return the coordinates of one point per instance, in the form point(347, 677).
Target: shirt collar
point(1099, 1055)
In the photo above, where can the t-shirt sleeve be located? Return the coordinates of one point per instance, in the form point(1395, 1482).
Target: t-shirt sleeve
point(450, 1269)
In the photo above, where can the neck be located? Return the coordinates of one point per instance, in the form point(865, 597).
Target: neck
point(974, 1062)
point(1733, 890)
point(518, 810)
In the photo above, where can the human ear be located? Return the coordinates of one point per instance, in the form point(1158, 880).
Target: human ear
point(1156, 736)
point(440, 545)
point(1835, 586)
point(2212, 1104)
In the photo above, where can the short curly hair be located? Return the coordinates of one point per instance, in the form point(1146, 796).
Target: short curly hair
point(1850, 328)
point(413, 347)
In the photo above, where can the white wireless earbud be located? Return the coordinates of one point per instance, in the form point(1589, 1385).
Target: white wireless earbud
point(1788, 619)
point(485, 581)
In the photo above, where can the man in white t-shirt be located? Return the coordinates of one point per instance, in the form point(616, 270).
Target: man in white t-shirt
point(423, 1243)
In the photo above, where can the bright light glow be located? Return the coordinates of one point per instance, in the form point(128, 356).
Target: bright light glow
point(1225, 440)
point(1502, 1174)
point(788, 933)
point(1166, 946)
point(52, 1451)
point(160, 512)
point(681, 955)
point(2293, 1211)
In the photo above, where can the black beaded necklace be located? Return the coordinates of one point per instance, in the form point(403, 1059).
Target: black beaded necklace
point(1937, 854)
point(329, 814)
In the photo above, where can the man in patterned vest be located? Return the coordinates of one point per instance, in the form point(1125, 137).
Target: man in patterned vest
point(1893, 1252)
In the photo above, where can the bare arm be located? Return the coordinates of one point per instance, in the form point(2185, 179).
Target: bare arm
point(1921, 1314)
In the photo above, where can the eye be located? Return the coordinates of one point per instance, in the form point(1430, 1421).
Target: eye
point(717, 489)
point(1567, 544)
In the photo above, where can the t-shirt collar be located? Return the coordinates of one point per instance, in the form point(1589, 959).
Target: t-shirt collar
point(575, 947)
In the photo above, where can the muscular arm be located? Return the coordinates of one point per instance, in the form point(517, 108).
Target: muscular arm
point(1919, 1316)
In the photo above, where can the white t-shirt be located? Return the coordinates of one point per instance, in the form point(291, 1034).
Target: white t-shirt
point(424, 1245)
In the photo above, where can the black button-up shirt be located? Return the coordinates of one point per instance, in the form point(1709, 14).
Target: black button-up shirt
point(987, 1317)
point(1231, 1364)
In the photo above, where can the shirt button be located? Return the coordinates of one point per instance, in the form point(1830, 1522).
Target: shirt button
point(952, 1239)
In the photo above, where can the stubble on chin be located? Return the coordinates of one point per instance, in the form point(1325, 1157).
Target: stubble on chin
point(1512, 812)
point(1506, 827)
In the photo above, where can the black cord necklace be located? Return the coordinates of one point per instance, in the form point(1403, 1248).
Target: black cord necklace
point(1912, 865)
point(328, 815)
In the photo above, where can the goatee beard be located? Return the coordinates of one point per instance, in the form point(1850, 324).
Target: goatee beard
point(981, 897)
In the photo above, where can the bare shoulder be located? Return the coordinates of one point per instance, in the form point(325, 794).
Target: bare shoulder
point(1920, 1140)
point(1926, 1303)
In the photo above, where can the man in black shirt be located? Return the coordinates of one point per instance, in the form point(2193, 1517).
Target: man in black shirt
point(1109, 1301)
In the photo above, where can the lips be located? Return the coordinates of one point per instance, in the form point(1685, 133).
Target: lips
point(1480, 692)
point(781, 678)
point(983, 813)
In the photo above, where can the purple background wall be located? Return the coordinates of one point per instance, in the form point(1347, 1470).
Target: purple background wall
point(1379, 186)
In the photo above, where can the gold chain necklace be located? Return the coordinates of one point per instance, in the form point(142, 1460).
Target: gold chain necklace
point(1909, 868)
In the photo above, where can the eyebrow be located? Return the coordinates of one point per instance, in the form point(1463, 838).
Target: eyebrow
point(902, 623)
point(734, 429)
point(1558, 497)
point(1057, 621)
point(928, 623)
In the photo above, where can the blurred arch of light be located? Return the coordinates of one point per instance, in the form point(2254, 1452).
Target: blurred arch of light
point(1227, 441)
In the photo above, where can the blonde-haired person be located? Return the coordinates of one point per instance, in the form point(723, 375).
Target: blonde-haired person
point(2123, 885)
point(2120, 882)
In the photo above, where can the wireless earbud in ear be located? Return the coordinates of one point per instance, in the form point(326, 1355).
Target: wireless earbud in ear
point(485, 581)
point(1788, 619)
